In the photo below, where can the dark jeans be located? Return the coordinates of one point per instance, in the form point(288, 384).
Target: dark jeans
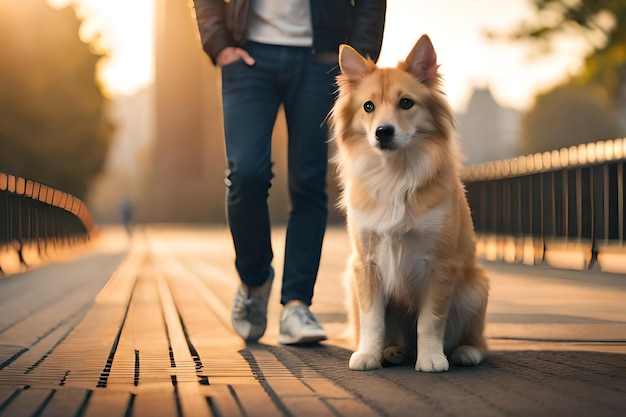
point(251, 98)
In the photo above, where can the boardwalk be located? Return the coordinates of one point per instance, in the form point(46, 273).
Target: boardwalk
point(141, 327)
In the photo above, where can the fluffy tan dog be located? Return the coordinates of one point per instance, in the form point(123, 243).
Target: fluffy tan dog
point(416, 290)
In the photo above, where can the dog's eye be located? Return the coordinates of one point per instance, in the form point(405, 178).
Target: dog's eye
point(369, 106)
point(406, 103)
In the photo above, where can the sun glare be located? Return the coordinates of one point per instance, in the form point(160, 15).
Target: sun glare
point(124, 31)
point(514, 72)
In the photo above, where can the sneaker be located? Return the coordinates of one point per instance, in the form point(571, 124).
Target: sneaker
point(249, 311)
point(299, 326)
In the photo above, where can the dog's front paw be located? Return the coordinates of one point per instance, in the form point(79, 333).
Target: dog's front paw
point(363, 361)
point(432, 363)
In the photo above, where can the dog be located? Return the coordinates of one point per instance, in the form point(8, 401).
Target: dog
point(416, 291)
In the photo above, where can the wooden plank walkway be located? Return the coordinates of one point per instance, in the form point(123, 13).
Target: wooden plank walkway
point(141, 327)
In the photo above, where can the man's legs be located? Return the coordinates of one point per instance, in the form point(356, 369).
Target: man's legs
point(308, 97)
point(250, 107)
point(307, 102)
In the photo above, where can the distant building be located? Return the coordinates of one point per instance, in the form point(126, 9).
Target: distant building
point(487, 131)
point(182, 181)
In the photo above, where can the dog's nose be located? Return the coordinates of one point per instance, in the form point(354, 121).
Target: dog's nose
point(384, 134)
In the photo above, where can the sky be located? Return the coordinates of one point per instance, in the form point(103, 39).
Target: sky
point(467, 58)
point(514, 72)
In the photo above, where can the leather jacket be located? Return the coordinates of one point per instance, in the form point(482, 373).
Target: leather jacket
point(359, 23)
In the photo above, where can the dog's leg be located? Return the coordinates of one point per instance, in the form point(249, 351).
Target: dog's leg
point(371, 312)
point(372, 334)
point(431, 323)
point(371, 305)
point(352, 302)
point(473, 347)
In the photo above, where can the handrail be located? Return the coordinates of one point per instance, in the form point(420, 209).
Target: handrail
point(553, 205)
point(32, 212)
point(586, 154)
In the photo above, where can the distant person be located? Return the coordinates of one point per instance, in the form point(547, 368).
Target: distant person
point(271, 53)
point(127, 214)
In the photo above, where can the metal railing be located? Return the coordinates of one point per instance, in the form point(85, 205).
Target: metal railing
point(33, 213)
point(565, 207)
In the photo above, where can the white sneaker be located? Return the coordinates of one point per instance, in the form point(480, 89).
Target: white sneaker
point(299, 326)
point(249, 311)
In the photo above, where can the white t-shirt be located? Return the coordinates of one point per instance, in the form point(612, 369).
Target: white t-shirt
point(280, 22)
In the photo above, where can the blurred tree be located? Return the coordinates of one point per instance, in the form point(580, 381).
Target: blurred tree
point(585, 108)
point(601, 22)
point(568, 115)
point(53, 123)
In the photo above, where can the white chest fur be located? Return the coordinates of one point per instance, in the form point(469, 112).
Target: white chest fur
point(402, 255)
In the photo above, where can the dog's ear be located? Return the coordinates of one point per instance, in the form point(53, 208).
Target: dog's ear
point(422, 61)
point(353, 65)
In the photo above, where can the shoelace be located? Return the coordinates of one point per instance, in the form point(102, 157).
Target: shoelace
point(242, 301)
point(305, 315)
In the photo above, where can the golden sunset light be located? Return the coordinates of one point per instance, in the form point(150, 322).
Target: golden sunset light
point(216, 207)
point(513, 71)
point(124, 30)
